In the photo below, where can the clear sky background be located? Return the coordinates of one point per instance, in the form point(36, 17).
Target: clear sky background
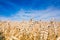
point(26, 9)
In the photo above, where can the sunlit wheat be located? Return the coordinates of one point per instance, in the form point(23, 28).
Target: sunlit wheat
point(30, 30)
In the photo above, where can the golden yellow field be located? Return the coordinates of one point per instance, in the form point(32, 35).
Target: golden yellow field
point(29, 30)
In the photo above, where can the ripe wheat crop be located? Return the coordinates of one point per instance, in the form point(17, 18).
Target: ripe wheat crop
point(29, 30)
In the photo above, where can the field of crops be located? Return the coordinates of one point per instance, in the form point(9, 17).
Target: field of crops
point(29, 30)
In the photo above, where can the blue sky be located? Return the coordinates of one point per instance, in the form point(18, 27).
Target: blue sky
point(26, 9)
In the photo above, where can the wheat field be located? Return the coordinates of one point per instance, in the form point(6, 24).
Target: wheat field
point(29, 30)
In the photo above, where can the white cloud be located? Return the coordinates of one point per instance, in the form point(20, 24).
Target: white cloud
point(36, 14)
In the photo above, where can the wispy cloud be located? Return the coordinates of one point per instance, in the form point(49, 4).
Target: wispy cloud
point(36, 14)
